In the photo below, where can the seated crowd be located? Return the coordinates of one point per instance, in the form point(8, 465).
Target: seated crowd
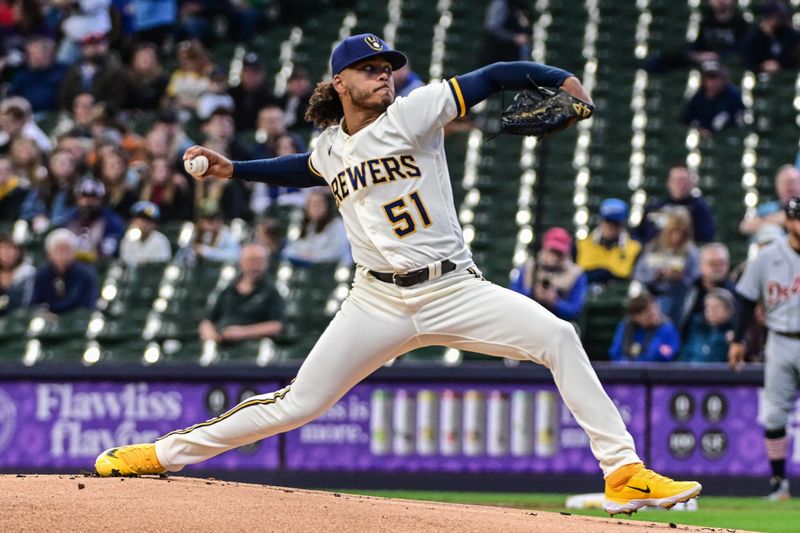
point(681, 302)
point(94, 189)
point(96, 110)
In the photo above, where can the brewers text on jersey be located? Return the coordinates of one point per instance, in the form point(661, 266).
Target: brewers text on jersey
point(379, 170)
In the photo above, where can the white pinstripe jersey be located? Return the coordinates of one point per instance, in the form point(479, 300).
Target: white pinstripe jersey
point(391, 182)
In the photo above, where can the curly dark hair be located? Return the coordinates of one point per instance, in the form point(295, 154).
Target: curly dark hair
point(324, 106)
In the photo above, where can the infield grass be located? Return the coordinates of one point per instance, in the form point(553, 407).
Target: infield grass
point(723, 512)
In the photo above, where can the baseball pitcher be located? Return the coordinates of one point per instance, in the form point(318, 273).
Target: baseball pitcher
point(383, 160)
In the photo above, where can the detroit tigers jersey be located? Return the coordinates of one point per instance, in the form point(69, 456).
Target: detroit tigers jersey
point(774, 277)
point(391, 183)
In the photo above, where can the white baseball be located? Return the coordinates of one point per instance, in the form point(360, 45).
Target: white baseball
point(196, 166)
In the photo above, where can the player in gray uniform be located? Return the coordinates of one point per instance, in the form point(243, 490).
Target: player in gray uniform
point(774, 278)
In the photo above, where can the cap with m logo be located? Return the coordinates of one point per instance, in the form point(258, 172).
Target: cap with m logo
point(364, 46)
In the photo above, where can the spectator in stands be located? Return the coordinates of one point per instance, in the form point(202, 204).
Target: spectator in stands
point(143, 243)
point(82, 19)
point(81, 117)
point(63, 284)
point(99, 72)
point(269, 234)
point(77, 144)
point(16, 276)
point(250, 307)
point(245, 19)
point(16, 121)
point(23, 20)
point(722, 32)
point(153, 20)
point(609, 253)
point(50, 198)
point(197, 19)
point(717, 104)
point(216, 97)
point(192, 77)
point(787, 186)
point(714, 271)
point(112, 132)
point(220, 133)
point(252, 94)
point(644, 335)
point(233, 196)
point(681, 186)
point(167, 138)
point(772, 44)
point(26, 158)
point(507, 30)
point(213, 241)
point(271, 126)
point(168, 189)
point(710, 333)
point(112, 170)
point(406, 80)
point(145, 79)
point(295, 102)
point(39, 80)
point(322, 235)
point(12, 120)
point(12, 191)
point(262, 196)
point(669, 265)
point(98, 227)
point(721, 36)
point(552, 279)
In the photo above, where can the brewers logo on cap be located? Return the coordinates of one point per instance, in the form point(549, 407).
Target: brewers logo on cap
point(364, 46)
point(373, 42)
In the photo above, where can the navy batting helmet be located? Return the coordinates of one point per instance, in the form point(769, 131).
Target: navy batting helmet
point(793, 208)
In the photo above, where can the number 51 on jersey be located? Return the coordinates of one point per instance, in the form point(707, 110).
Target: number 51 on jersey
point(398, 212)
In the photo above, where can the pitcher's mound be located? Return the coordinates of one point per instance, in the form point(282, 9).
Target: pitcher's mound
point(78, 503)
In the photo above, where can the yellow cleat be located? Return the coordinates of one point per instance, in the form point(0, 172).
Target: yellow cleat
point(631, 487)
point(133, 460)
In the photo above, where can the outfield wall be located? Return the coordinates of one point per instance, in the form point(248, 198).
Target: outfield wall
point(480, 419)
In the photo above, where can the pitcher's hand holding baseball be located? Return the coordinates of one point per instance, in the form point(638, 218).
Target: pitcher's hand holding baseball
point(219, 166)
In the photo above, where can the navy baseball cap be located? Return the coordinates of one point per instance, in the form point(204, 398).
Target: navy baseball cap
point(614, 210)
point(90, 187)
point(362, 46)
point(145, 209)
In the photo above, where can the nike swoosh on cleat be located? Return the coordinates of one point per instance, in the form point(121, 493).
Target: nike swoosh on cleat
point(111, 452)
point(645, 490)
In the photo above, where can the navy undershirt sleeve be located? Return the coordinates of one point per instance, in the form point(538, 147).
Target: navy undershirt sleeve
point(747, 309)
point(284, 171)
point(478, 85)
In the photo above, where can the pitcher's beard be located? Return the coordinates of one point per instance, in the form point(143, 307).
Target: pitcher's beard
point(366, 100)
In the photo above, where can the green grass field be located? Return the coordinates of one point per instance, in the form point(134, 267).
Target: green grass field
point(732, 513)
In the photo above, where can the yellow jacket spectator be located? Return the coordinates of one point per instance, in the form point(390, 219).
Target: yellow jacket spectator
point(609, 252)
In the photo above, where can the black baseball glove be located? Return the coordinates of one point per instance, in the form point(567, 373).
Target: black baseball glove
point(543, 111)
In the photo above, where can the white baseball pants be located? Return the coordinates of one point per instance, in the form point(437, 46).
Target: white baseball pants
point(379, 321)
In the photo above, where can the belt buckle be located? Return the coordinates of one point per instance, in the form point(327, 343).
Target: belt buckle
point(394, 278)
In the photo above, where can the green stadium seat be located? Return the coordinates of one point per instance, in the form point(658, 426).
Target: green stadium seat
point(602, 311)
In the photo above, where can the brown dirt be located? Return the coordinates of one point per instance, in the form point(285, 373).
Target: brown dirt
point(78, 503)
